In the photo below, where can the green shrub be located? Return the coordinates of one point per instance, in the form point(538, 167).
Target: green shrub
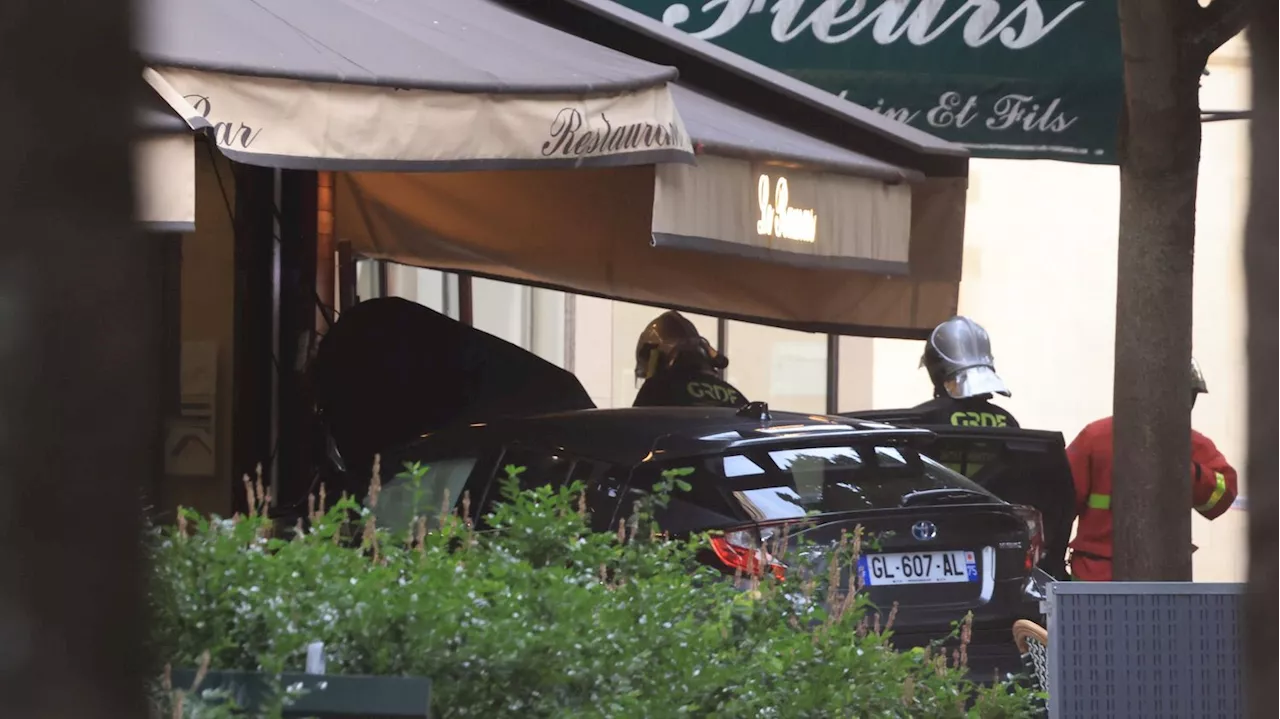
point(540, 617)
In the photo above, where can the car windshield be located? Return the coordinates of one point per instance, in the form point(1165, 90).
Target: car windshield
point(780, 484)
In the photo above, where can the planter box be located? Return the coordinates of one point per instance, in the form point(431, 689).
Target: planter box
point(1145, 649)
point(327, 696)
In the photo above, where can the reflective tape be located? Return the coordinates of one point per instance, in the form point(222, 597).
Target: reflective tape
point(1099, 501)
point(1219, 490)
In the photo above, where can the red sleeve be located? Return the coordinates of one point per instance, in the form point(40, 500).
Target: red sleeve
point(1079, 454)
point(1213, 479)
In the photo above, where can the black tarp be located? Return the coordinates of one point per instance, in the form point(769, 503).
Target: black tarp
point(391, 370)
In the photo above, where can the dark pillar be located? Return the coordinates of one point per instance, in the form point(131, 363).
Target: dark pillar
point(253, 361)
point(78, 366)
point(167, 249)
point(298, 306)
point(1260, 257)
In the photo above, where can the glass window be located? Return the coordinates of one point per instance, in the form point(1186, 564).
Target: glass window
point(739, 466)
point(430, 288)
point(857, 372)
point(502, 309)
point(548, 319)
point(785, 368)
point(367, 279)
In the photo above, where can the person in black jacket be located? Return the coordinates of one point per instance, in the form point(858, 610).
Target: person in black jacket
point(958, 358)
point(680, 368)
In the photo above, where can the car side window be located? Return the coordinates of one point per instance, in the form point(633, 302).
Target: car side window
point(604, 485)
point(603, 482)
point(427, 489)
point(540, 467)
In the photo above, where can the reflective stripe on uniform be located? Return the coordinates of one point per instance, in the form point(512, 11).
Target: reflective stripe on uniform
point(1219, 490)
point(1099, 501)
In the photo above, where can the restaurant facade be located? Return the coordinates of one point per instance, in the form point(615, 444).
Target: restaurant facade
point(597, 170)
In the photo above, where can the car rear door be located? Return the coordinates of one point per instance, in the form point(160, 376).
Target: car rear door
point(1021, 466)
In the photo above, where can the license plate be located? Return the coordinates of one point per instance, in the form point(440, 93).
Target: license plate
point(918, 568)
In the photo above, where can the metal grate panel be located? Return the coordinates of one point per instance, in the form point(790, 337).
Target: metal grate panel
point(1138, 650)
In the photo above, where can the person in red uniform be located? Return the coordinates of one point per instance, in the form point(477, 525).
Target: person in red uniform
point(1213, 488)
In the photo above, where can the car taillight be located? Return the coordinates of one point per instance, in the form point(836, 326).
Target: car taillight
point(741, 550)
point(1035, 533)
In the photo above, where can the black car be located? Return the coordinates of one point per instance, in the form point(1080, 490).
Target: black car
point(935, 543)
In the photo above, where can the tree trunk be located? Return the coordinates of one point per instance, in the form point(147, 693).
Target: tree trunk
point(1261, 260)
point(1159, 154)
point(79, 332)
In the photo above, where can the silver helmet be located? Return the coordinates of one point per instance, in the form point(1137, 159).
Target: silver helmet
point(1198, 385)
point(958, 357)
point(671, 340)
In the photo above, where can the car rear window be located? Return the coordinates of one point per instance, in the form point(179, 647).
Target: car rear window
point(781, 484)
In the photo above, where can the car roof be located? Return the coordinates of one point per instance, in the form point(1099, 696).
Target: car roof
point(635, 434)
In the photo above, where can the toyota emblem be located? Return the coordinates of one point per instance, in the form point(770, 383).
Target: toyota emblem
point(924, 531)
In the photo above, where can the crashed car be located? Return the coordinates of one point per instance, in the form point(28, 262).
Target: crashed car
point(939, 545)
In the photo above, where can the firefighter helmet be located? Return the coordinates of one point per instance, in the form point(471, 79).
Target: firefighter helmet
point(671, 340)
point(958, 357)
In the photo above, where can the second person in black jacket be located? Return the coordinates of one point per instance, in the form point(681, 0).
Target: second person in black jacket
point(680, 368)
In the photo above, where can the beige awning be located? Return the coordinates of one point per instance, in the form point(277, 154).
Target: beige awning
point(406, 85)
point(295, 124)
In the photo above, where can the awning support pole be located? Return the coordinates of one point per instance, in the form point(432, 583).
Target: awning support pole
point(346, 277)
point(301, 282)
point(833, 374)
point(465, 315)
point(251, 347)
point(325, 262)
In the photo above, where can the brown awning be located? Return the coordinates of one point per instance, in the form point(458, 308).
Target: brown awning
point(771, 225)
point(592, 231)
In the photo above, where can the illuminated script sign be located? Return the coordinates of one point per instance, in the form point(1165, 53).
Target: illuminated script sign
point(779, 219)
